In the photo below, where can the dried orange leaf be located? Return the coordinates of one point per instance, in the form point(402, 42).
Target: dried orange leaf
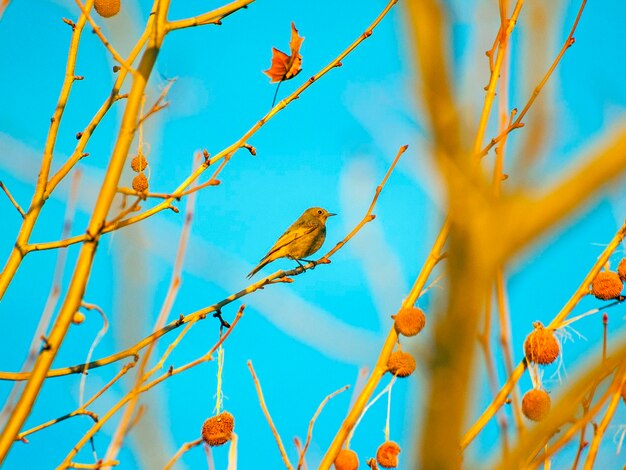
point(286, 66)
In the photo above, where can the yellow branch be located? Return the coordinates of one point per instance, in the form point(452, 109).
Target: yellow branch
point(582, 290)
point(495, 76)
point(84, 262)
point(381, 364)
point(212, 17)
point(17, 254)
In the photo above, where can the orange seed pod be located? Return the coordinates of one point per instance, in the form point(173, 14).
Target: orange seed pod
point(346, 460)
point(401, 364)
point(107, 8)
point(607, 285)
point(218, 429)
point(541, 346)
point(409, 321)
point(140, 182)
point(387, 454)
point(139, 163)
point(536, 404)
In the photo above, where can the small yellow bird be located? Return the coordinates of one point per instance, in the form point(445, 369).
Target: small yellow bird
point(305, 236)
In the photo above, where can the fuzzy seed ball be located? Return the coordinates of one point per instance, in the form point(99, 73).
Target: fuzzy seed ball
point(218, 429)
point(621, 269)
point(78, 318)
point(401, 364)
point(346, 460)
point(409, 321)
point(387, 454)
point(139, 163)
point(140, 182)
point(107, 8)
point(541, 346)
point(536, 404)
point(607, 285)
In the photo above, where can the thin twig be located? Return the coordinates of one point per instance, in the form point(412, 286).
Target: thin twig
point(103, 330)
point(212, 17)
point(606, 420)
point(184, 448)
point(128, 210)
point(158, 104)
point(518, 122)
point(504, 320)
point(503, 36)
point(312, 422)
point(368, 406)
point(232, 452)
point(266, 412)
point(12, 199)
point(82, 410)
point(368, 217)
point(98, 465)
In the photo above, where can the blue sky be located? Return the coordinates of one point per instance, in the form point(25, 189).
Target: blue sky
point(329, 148)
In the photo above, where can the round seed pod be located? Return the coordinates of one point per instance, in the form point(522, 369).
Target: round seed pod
point(541, 346)
point(387, 454)
point(401, 364)
point(218, 429)
point(107, 8)
point(139, 163)
point(607, 285)
point(140, 182)
point(78, 318)
point(346, 460)
point(409, 321)
point(536, 404)
point(621, 269)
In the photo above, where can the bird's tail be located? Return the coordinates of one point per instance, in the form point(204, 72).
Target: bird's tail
point(258, 268)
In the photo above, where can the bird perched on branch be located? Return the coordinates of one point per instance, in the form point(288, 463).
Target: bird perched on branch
point(305, 236)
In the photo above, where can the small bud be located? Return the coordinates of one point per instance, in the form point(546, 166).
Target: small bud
point(78, 318)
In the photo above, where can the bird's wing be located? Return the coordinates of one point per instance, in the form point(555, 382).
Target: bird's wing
point(293, 233)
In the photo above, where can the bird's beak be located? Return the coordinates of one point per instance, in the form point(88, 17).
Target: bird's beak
point(330, 214)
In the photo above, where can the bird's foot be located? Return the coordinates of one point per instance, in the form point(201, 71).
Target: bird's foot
point(313, 262)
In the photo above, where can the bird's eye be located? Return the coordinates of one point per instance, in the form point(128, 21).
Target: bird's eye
point(319, 212)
